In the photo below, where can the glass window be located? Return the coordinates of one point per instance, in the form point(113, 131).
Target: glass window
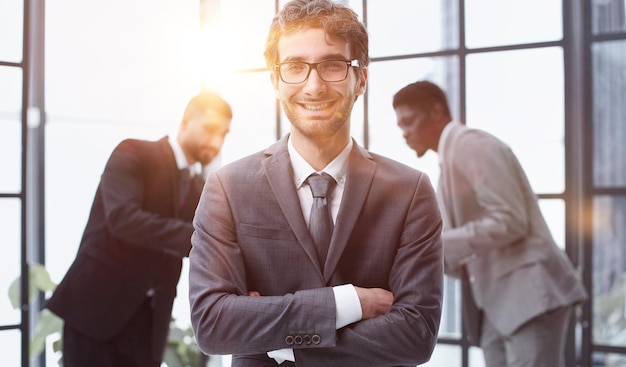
point(496, 22)
point(11, 153)
point(10, 238)
point(450, 326)
point(609, 270)
point(553, 211)
point(11, 91)
point(10, 128)
point(141, 70)
point(445, 355)
point(11, 23)
point(608, 359)
point(609, 114)
point(253, 128)
point(518, 97)
point(608, 16)
point(417, 26)
point(248, 30)
point(11, 347)
point(476, 358)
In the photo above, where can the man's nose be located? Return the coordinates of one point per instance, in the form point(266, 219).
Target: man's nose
point(314, 84)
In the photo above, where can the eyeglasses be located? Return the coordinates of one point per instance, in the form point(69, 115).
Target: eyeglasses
point(295, 72)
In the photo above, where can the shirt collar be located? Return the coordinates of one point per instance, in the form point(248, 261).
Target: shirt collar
point(337, 168)
point(179, 155)
point(443, 139)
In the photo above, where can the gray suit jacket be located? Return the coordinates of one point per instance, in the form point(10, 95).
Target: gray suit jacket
point(250, 235)
point(493, 225)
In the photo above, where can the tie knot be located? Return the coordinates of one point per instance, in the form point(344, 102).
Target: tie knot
point(319, 184)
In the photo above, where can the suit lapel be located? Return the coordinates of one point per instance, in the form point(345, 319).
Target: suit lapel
point(361, 168)
point(444, 189)
point(280, 177)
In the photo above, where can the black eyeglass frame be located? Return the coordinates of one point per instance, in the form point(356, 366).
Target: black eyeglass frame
point(311, 65)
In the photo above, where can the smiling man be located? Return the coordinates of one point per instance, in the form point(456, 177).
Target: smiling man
point(352, 277)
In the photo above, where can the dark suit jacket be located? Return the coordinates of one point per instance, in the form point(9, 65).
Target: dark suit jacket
point(134, 241)
point(493, 226)
point(251, 236)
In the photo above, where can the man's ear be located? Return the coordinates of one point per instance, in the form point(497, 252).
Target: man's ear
point(362, 82)
point(436, 111)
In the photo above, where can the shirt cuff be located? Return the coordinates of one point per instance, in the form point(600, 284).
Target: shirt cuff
point(281, 355)
point(348, 305)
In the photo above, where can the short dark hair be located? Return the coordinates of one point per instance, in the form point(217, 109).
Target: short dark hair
point(208, 101)
point(423, 95)
point(335, 19)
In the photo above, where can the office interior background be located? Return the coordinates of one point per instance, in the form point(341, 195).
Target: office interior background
point(546, 76)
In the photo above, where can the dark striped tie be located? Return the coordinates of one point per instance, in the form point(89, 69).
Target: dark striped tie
point(320, 222)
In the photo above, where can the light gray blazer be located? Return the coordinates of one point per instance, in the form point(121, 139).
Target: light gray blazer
point(492, 223)
point(250, 235)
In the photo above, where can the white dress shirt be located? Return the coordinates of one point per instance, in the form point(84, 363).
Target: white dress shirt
point(347, 301)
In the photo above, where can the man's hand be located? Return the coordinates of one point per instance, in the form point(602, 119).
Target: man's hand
point(374, 301)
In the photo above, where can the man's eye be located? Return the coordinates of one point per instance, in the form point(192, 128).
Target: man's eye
point(294, 68)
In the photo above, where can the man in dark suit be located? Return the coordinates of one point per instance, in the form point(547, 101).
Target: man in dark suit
point(519, 287)
point(262, 286)
point(116, 298)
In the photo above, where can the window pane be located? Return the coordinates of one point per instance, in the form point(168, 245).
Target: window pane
point(11, 153)
point(10, 238)
point(608, 16)
point(248, 30)
point(609, 270)
point(385, 79)
point(12, 30)
point(141, 70)
point(518, 96)
point(253, 128)
point(497, 22)
point(450, 326)
point(398, 27)
point(609, 114)
point(11, 341)
point(10, 128)
point(445, 355)
point(553, 211)
point(476, 357)
point(608, 359)
point(11, 91)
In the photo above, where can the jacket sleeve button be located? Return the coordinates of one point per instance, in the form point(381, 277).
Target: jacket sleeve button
point(289, 340)
point(316, 339)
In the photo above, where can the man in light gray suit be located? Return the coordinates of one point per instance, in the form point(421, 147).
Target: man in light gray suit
point(257, 287)
point(519, 287)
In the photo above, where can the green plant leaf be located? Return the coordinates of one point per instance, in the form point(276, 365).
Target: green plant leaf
point(39, 280)
point(47, 324)
point(171, 358)
point(14, 293)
